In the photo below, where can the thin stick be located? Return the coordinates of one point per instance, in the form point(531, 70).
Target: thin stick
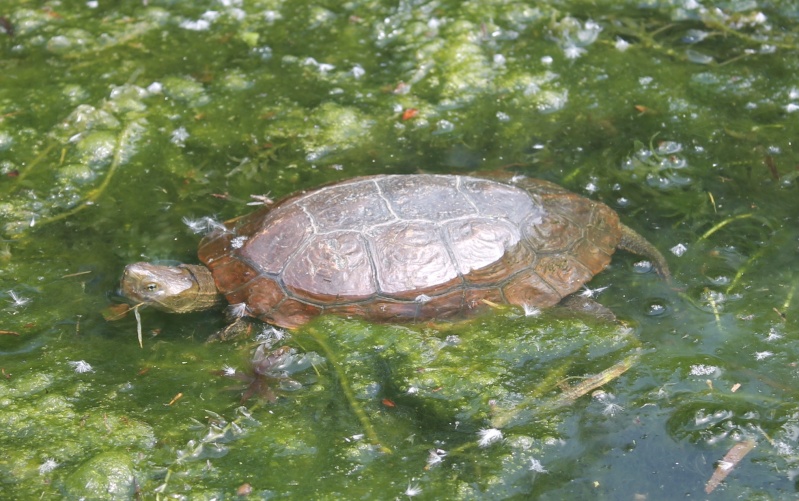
point(138, 324)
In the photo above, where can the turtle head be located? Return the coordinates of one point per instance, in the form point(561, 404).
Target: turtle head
point(174, 289)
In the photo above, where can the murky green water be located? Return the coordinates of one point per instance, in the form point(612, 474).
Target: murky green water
point(119, 121)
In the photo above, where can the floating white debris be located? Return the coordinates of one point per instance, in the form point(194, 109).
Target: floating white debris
point(237, 310)
point(354, 438)
point(536, 466)
point(48, 466)
point(703, 370)
point(622, 44)
point(270, 335)
point(155, 88)
point(238, 242)
point(412, 490)
point(179, 136)
point(488, 436)
point(588, 292)
point(211, 15)
point(237, 14)
point(762, 355)
point(571, 51)
point(18, 300)
point(773, 335)
point(204, 225)
point(81, 366)
point(198, 25)
point(322, 67)
point(531, 311)
point(611, 409)
point(272, 15)
point(435, 457)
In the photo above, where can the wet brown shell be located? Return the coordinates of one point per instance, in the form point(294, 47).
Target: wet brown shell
point(408, 247)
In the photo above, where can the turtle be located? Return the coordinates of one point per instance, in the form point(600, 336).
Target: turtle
point(397, 248)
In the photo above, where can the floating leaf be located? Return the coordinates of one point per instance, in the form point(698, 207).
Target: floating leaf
point(730, 461)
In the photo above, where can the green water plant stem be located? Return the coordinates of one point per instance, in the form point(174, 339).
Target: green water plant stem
point(789, 297)
point(503, 417)
point(724, 223)
point(743, 269)
point(572, 393)
point(35, 162)
point(121, 151)
point(569, 394)
point(333, 358)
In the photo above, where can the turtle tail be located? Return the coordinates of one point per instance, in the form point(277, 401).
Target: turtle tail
point(635, 243)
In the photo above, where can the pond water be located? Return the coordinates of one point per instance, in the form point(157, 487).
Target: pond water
point(120, 124)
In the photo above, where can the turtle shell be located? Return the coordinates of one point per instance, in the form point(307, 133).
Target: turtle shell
point(410, 247)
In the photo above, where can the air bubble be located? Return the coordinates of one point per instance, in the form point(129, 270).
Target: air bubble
point(719, 280)
point(668, 147)
point(673, 162)
point(97, 148)
point(6, 140)
point(679, 249)
point(656, 308)
point(698, 57)
point(78, 174)
point(444, 126)
point(694, 36)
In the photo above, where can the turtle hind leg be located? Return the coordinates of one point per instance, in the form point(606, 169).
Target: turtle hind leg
point(587, 306)
point(635, 243)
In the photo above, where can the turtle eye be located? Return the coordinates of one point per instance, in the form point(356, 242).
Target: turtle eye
point(151, 287)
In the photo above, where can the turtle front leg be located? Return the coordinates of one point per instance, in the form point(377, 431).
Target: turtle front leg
point(240, 328)
point(635, 243)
